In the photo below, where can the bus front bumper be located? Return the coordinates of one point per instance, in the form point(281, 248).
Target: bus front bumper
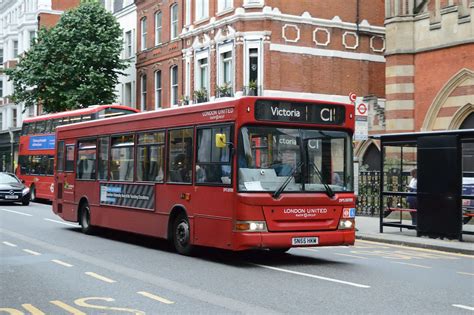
point(243, 240)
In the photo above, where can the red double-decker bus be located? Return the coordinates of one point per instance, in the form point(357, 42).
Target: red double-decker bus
point(252, 172)
point(37, 144)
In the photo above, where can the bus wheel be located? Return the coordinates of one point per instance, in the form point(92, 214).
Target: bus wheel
point(32, 193)
point(85, 219)
point(182, 235)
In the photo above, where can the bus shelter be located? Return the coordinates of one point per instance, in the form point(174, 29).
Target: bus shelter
point(427, 182)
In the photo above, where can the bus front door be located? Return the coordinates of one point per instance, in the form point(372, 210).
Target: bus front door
point(66, 180)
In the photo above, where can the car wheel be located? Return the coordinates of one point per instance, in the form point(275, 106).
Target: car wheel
point(85, 219)
point(25, 201)
point(182, 235)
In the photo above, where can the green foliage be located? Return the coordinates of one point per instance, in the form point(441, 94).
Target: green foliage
point(74, 64)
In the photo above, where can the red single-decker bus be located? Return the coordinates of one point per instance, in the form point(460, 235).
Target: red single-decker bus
point(251, 172)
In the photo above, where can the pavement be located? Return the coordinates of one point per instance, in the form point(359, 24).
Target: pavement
point(368, 228)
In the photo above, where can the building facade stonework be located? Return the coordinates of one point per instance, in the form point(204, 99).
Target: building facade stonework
point(429, 67)
point(190, 51)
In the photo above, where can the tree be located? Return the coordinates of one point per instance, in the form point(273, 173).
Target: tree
point(72, 65)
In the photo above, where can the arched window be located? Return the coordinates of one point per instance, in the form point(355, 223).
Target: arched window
point(371, 158)
point(468, 123)
point(174, 85)
point(158, 89)
point(143, 33)
point(174, 21)
point(143, 92)
point(158, 27)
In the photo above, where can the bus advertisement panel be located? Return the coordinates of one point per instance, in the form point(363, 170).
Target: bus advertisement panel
point(37, 145)
point(279, 171)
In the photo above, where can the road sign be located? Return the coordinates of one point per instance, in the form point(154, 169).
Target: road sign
point(362, 110)
point(352, 97)
point(361, 128)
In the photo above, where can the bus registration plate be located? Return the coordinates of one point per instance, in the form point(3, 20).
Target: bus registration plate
point(304, 241)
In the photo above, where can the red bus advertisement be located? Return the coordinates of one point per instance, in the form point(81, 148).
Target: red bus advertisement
point(37, 145)
point(248, 173)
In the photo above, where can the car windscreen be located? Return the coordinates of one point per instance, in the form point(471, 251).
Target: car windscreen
point(8, 179)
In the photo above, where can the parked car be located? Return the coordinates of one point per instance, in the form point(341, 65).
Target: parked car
point(467, 204)
point(13, 190)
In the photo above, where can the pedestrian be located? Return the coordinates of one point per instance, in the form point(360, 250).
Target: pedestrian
point(412, 200)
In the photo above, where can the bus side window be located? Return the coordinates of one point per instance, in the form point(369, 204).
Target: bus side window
point(103, 158)
point(86, 159)
point(60, 153)
point(180, 148)
point(69, 158)
point(150, 156)
point(213, 163)
point(122, 157)
point(24, 129)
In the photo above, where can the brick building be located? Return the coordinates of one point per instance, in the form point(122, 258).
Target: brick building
point(19, 22)
point(430, 67)
point(205, 49)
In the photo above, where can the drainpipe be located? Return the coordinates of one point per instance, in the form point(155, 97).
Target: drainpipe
point(358, 16)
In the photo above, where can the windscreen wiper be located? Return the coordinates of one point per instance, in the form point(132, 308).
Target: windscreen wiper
point(328, 189)
point(278, 192)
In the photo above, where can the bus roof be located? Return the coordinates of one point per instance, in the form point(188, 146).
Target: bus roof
point(190, 109)
point(82, 111)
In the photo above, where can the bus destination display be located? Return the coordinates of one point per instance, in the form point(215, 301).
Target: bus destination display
point(324, 114)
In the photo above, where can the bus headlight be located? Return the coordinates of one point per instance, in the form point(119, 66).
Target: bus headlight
point(250, 226)
point(25, 191)
point(346, 224)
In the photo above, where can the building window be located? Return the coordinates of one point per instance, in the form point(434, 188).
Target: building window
point(143, 93)
point(203, 74)
point(14, 117)
point(158, 28)
point(143, 32)
point(174, 21)
point(32, 37)
point(227, 72)
point(188, 12)
point(1, 88)
point(202, 9)
point(1, 57)
point(127, 97)
point(157, 89)
point(174, 85)
point(128, 44)
point(15, 48)
point(224, 5)
point(118, 5)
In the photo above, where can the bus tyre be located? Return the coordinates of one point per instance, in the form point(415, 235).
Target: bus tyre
point(182, 235)
point(85, 219)
point(32, 193)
